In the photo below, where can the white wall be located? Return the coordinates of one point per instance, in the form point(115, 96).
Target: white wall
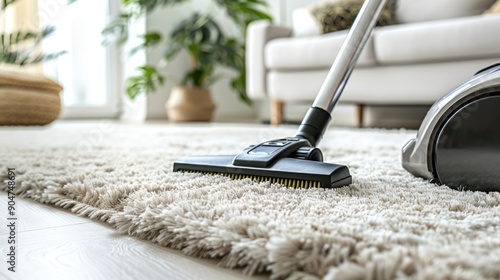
point(133, 110)
point(163, 20)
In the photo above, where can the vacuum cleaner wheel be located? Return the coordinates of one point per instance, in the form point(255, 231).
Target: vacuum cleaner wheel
point(467, 149)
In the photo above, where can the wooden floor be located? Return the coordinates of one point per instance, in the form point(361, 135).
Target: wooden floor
point(53, 243)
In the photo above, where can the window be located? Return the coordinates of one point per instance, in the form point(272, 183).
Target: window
point(89, 71)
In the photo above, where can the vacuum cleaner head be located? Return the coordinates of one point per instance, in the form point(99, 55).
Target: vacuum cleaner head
point(290, 161)
point(458, 143)
point(291, 172)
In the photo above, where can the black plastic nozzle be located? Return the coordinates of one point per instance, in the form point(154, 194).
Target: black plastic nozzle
point(313, 125)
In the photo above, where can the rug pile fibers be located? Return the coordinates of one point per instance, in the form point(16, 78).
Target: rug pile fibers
point(387, 224)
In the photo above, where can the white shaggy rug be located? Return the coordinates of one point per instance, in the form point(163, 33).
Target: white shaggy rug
point(387, 224)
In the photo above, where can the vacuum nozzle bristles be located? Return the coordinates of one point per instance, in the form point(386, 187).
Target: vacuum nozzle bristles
point(305, 184)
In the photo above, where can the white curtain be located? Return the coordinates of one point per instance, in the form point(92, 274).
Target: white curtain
point(22, 15)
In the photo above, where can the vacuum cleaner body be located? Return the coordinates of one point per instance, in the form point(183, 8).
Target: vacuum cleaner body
point(458, 142)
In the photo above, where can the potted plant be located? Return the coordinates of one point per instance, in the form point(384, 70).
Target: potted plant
point(208, 47)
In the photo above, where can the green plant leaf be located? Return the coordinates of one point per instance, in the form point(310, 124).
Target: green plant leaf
point(117, 31)
point(149, 39)
point(172, 50)
point(19, 47)
point(8, 57)
point(147, 81)
point(6, 3)
point(243, 12)
point(42, 57)
point(10, 41)
point(202, 38)
point(239, 85)
point(150, 5)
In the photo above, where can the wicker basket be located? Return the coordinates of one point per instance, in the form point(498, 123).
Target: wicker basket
point(187, 104)
point(28, 98)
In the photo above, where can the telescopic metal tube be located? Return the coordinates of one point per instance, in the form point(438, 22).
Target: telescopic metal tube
point(345, 61)
point(318, 116)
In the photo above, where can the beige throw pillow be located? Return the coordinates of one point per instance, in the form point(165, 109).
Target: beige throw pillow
point(494, 9)
point(338, 15)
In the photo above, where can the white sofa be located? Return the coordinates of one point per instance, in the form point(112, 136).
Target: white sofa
point(435, 45)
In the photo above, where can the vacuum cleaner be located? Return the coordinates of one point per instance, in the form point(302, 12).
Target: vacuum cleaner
point(296, 161)
point(458, 142)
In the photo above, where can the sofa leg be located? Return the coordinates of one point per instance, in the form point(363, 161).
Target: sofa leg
point(359, 115)
point(276, 112)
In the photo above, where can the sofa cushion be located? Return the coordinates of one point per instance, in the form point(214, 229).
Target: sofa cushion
point(418, 84)
point(453, 39)
point(424, 10)
point(316, 52)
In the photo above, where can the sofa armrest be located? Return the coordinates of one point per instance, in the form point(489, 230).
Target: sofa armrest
point(258, 34)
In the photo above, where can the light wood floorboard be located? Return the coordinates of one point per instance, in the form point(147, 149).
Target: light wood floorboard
point(56, 244)
point(33, 216)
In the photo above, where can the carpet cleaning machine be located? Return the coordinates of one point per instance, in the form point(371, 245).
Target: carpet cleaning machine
point(458, 143)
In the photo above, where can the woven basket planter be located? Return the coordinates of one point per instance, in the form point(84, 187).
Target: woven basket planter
point(28, 98)
point(187, 104)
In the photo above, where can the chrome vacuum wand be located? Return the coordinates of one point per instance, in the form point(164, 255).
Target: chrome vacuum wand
point(318, 116)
